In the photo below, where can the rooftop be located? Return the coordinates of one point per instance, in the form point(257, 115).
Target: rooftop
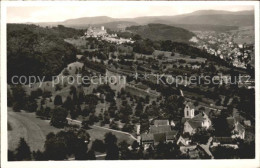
point(161, 122)
point(160, 129)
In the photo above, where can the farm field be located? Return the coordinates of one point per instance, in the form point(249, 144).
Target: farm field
point(99, 133)
point(34, 130)
point(28, 126)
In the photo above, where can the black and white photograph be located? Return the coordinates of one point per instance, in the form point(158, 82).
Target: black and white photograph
point(102, 81)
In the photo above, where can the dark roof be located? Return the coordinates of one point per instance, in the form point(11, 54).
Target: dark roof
point(194, 124)
point(224, 140)
point(197, 120)
point(171, 135)
point(159, 129)
point(183, 120)
point(161, 122)
point(147, 137)
point(160, 137)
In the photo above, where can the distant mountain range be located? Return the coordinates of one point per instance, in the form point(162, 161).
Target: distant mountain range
point(203, 17)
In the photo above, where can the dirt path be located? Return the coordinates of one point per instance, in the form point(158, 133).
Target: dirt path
point(107, 129)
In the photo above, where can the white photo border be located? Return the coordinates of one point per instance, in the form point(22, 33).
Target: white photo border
point(119, 163)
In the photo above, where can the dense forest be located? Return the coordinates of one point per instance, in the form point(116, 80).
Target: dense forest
point(39, 51)
point(162, 32)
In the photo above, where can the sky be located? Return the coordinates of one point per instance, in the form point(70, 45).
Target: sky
point(56, 13)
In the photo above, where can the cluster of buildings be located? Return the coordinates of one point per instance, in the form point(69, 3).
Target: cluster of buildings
point(223, 46)
point(101, 32)
point(164, 131)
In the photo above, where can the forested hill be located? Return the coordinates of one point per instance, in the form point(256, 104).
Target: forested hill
point(162, 32)
point(34, 50)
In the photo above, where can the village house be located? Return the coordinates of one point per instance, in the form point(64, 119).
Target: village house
point(237, 129)
point(161, 131)
point(183, 141)
point(224, 141)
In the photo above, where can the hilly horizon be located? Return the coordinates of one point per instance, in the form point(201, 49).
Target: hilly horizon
point(205, 17)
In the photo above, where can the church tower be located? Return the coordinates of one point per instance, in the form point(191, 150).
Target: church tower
point(189, 110)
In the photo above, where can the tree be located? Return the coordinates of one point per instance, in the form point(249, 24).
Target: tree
point(38, 155)
point(9, 98)
point(68, 104)
point(19, 97)
point(98, 145)
point(59, 117)
point(31, 105)
point(135, 145)
point(223, 152)
point(112, 152)
point(55, 148)
point(110, 139)
point(128, 127)
point(58, 87)
point(85, 124)
point(125, 153)
point(91, 155)
point(40, 112)
point(47, 111)
point(23, 151)
point(58, 100)
point(81, 150)
point(111, 147)
point(201, 136)
point(11, 155)
point(113, 125)
point(66, 72)
point(221, 126)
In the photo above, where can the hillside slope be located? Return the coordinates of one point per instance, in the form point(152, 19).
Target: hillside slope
point(162, 32)
point(37, 51)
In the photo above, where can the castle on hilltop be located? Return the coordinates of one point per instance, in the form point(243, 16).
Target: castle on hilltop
point(96, 32)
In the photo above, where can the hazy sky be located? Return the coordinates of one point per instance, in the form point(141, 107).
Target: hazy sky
point(124, 10)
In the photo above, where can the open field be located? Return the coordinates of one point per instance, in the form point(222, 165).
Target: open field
point(99, 133)
point(34, 130)
point(28, 126)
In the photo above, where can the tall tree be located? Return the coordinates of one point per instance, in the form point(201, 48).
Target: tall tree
point(23, 151)
point(58, 100)
point(111, 147)
point(59, 117)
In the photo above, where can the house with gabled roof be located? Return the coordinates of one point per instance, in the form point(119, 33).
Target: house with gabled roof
point(183, 141)
point(199, 121)
point(159, 129)
point(237, 129)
